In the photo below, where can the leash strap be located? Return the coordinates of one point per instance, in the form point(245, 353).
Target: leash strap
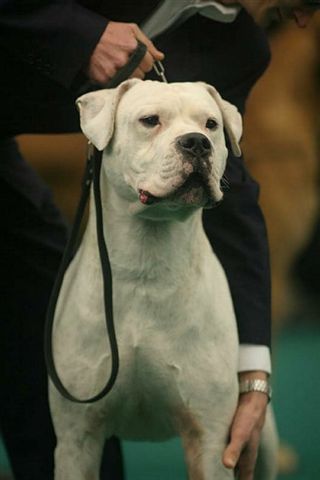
point(92, 175)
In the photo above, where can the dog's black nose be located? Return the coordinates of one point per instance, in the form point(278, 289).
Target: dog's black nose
point(195, 144)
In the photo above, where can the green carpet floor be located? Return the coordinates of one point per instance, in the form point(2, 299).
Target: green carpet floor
point(296, 382)
point(297, 396)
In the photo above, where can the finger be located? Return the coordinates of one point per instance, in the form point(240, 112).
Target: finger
point(147, 63)
point(248, 459)
point(242, 428)
point(155, 53)
point(301, 18)
point(233, 451)
point(101, 74)
point(120, 60)
point(138, 73)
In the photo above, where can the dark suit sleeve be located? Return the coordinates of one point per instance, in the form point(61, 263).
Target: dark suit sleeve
point(55, 37)
point(237, 233)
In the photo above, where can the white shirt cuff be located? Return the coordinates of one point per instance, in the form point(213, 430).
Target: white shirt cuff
point(254, 357)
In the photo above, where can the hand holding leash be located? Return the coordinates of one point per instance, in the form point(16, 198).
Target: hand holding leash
point(115, 51)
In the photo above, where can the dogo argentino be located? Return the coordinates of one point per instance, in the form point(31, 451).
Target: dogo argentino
point(164, 154)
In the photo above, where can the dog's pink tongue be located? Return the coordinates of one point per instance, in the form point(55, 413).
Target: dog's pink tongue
point(145, 197)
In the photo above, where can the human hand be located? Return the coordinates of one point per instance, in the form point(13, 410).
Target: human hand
point(302, 16)
point(242, 450)
point(117, 43)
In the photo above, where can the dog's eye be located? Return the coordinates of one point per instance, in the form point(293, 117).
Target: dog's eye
point(211, 124)
point(150, 120)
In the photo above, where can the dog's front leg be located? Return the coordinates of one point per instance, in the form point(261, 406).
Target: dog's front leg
point(203, 448)
point(78, 457)
point(81, 434)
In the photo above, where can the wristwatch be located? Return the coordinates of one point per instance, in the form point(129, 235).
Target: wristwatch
point(256, 385)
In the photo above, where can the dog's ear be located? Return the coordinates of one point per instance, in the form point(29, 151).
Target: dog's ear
point(231, 118)
point(98, 110)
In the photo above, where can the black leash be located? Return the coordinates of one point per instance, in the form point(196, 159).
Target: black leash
point(91, 177)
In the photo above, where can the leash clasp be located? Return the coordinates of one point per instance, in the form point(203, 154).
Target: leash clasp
point(160, 71)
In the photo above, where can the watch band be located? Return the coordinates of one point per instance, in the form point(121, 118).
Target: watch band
point(256, 385)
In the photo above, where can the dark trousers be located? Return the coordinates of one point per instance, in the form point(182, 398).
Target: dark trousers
point(32, 238)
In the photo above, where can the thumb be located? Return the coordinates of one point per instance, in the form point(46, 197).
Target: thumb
point(232, 454)
point(155, 53)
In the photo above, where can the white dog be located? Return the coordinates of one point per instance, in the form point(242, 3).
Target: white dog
point(164, 156)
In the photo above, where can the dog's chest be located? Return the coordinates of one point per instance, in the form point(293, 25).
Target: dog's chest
point(176, 334)
point(169, 353)
point(147, 391)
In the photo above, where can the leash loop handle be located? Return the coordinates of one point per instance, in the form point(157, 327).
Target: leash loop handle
point(92, 175)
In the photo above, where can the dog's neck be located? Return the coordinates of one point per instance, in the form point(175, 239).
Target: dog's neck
point(147, 249)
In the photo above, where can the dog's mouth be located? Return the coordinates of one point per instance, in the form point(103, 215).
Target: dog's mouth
point(194, 191)
point(147, 198)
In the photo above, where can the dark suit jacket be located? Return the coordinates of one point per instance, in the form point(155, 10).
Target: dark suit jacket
point(44, 47)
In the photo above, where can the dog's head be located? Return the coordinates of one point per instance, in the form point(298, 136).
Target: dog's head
point(164, 144)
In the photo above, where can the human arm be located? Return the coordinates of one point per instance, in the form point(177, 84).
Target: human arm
point(242, 247)
point(242, 450)
point(60, 39)
point(54, 38)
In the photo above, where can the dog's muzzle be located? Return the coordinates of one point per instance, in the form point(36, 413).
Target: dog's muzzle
point(195, 151)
